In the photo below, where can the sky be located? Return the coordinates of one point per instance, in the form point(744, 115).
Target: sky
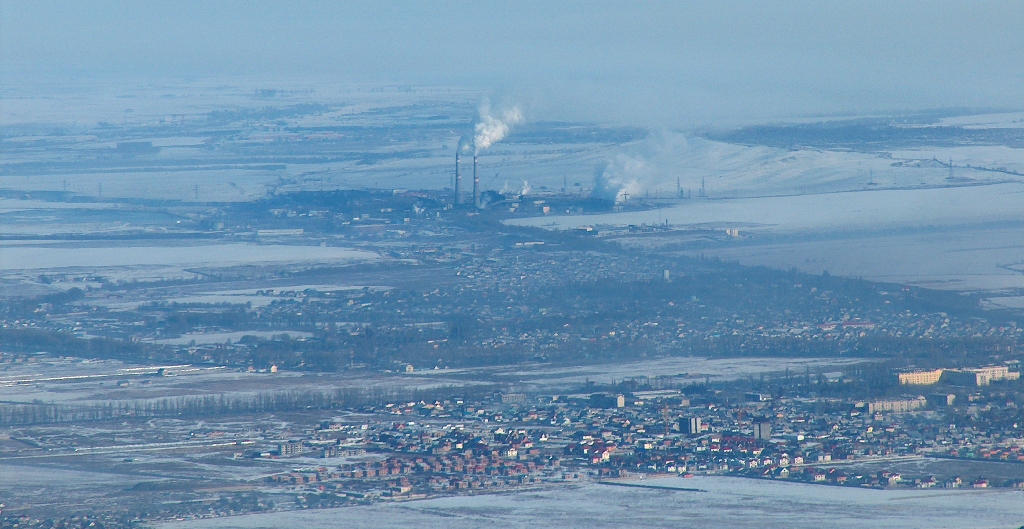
point(667, 64)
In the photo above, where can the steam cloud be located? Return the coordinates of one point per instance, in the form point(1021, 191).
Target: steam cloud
point(491, 129)
point(653, 163)
point(620, 178)
point(523, 191)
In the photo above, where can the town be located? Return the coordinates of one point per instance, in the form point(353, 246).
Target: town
point(432, 369)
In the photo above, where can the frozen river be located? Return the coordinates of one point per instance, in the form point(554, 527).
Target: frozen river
point(722, 502)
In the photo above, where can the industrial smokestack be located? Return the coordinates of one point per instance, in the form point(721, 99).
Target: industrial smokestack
point(476, 185)
point(465, 147)
point(458, 180)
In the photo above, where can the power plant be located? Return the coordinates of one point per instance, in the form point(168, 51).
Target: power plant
point(487, 131)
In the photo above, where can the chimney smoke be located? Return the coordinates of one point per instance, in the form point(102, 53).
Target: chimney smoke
point(488, 130)
point(492, 129)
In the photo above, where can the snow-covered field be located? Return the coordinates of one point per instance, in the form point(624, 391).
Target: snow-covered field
point(221, 337)
point(63, 380)
point(884, 209)
point(88, 104)
point(296, 133)
point(34, 257)
point(723, 502)
point(975, 258)
point(64, 383)
point(560, 379)
point(981, 156)
point(964, 238)
point(1002, 120)
point(23, 261)
point(11, 205)
point(181, 121)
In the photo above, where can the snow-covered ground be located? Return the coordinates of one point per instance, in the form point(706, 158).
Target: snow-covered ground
point(548, 378)
point(722, 502)
point(67, 139)
point(253, 296)
point(63, 380)
point(23, 262)
point(656, 166)
point(977, 258)
point(1002, 120)
point(34, 257)
point(992, 157)
point(185, 122)
point(221, 337)
point(883, 209)
point(963, 238)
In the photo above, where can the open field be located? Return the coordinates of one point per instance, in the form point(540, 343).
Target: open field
point(724, 502)
point(971, 258)
point(960, 238)
point(69, 380)
point(35, 257)
point(681, 370)
point(884, 209)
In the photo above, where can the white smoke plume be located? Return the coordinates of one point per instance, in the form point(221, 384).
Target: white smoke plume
point(522, 191)
point(619, 178)
point(491, 129)
point(650, 165)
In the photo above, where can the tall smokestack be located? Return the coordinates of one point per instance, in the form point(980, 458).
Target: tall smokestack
point(458, 180)
point(476, 185)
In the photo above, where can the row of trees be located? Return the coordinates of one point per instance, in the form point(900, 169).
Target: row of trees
point(189, 406)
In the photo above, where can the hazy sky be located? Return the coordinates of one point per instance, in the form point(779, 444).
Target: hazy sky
point(658, 63)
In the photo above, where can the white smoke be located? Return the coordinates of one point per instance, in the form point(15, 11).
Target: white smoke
point(649, 166)
point(491, 129)
point(619, 178)
point(522, 191)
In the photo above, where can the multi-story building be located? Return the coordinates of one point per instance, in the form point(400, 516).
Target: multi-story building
point(921, 378)
point(896, 406)
point(980, 376)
